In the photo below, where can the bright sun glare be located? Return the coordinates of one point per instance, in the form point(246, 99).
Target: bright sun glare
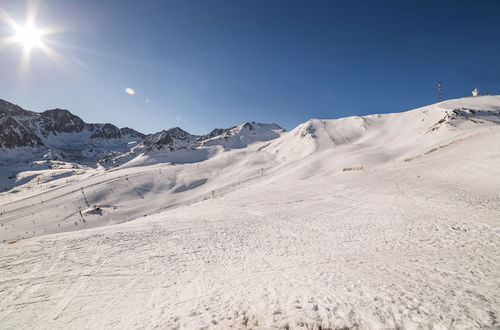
point(28, 36)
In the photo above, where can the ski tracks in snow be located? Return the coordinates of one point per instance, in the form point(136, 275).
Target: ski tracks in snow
point(330, 258)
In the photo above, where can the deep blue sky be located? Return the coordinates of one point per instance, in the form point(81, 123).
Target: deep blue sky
point(205, 64)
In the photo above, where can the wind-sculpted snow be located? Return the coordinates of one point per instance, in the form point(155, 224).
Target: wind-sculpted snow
point(376, 222)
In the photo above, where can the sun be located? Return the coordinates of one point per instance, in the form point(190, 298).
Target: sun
point(28, 36)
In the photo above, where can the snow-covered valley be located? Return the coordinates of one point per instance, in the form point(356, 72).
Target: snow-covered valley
point(375, 222)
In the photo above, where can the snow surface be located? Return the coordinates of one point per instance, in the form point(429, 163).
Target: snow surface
point(374, 222)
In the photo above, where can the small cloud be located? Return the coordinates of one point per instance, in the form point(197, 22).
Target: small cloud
point(129, 91)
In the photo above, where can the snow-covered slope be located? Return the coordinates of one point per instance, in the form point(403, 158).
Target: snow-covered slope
point(374, 222)
point(219, 163)
point(378, 140)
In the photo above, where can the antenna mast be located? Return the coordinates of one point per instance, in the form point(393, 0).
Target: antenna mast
point(440, 91)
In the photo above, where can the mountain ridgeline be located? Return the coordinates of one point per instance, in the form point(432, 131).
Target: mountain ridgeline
point(59, 134)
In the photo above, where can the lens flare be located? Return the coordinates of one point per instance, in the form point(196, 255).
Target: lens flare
point(28, 36)
point(129, 91)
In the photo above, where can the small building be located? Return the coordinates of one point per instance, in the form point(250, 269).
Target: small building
point(475, 92)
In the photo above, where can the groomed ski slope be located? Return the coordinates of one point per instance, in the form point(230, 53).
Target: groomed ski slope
point(375, 222)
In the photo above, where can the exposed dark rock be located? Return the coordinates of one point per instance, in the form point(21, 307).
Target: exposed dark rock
point(13, 134)
point(107, 131)
point(9, 109)
point(126, 131)
point(59, 120)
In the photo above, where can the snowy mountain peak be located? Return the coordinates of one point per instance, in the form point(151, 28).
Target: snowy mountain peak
point(179, 133)
point(59, 134)
point(10, 109)
point(57, 121)
point(172, 139)
point(32, 134)
point(132, 133)
point(242, 135)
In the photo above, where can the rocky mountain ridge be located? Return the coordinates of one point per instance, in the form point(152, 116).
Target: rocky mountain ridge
point(28, 135)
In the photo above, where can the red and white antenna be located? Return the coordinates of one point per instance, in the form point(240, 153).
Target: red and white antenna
point(440, 91)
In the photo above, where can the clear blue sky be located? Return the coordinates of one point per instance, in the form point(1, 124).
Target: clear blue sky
point(215, 63)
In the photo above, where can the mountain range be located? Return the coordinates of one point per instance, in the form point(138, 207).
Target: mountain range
point(58, 134)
